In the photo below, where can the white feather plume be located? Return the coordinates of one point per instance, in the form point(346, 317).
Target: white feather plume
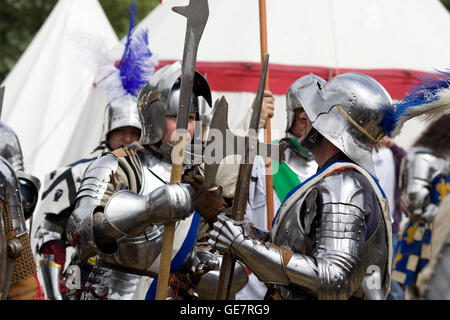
point(97, 57)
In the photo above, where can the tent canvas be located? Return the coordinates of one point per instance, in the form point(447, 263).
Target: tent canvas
point(50, 101)
point(392, 40)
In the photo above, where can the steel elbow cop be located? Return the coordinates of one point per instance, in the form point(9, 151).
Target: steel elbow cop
point(129, 213)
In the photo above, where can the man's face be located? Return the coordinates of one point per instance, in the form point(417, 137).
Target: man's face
point(299, 125)
point(171, 125)
point(123, 136)
point(307, 128)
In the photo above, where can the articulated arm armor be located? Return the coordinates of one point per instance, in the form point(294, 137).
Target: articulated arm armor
point(337, 213)
point(105, 212)
point(128, 214)
point(419, 169)
point(270, 263)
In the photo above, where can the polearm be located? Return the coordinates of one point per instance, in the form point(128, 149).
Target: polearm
point(268, 135)
point(242, 185)
point(197, 13)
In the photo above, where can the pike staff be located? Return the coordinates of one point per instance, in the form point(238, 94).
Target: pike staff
point(267, 136)
point(242, 185)
point(197, 13)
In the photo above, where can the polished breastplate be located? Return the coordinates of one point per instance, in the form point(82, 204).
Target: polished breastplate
point(136, 256)
point(140, 253)
point(294, 235)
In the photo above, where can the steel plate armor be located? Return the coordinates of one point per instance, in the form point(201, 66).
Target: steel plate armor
point(420, 167)
point(331, 223)
point(347, 111)
point(11, 151)
point(292, 100)
point(57, 203)
point(159, 98)
point(301, 163)
point(121, 205)
point(330, 239)
point(121, 112)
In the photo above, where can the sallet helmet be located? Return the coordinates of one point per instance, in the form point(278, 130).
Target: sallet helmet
point(347, 111)
point(292, 100)
point(121, 112)
point(159, 97)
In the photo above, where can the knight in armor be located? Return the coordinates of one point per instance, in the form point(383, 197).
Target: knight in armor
point(121, 127)
point(18, 197)
point(298, 164)
point(120, 81)
point(425, 181)
point(125, 199)
point(331, 237)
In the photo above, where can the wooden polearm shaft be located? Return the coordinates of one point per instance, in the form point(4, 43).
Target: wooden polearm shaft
point(242, 187)
point(268, 135)
point(197, 13)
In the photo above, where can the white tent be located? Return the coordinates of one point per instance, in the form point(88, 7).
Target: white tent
point(50, 100)
point(395, 41)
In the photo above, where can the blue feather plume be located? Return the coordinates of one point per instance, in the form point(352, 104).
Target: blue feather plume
point(137, 62)
point(425, 98)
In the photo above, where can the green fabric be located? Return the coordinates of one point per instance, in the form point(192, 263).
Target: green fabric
point(284, 180)
point(297, 145)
